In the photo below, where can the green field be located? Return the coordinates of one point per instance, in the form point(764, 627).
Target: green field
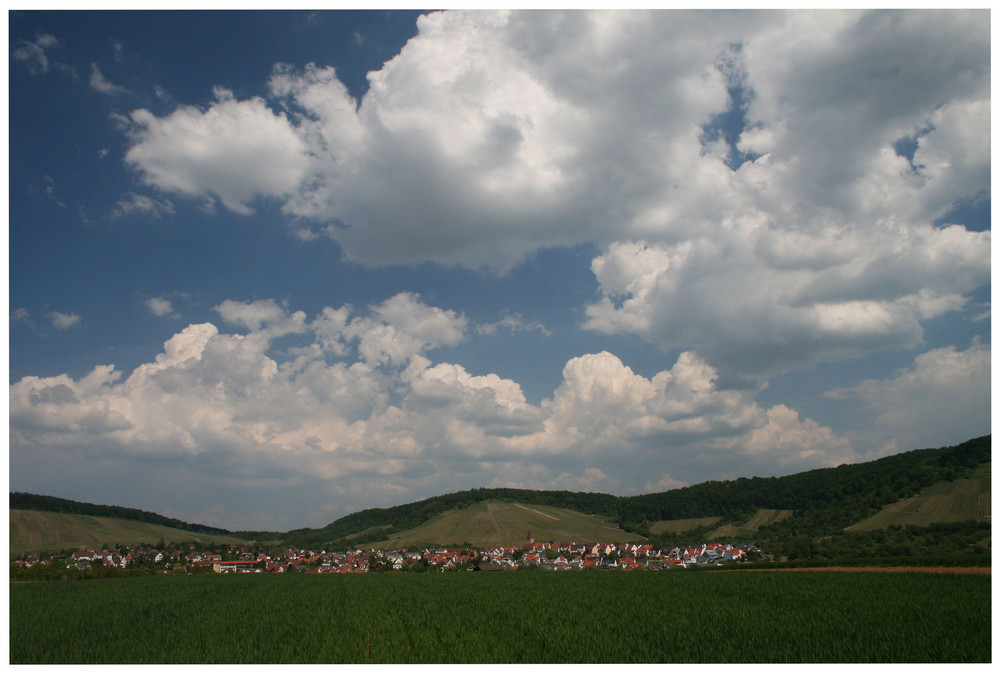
point(944, 502)
point(32, 532)
point(489, 524)
point(505, 617)
point(683, 525)
point(762, 517)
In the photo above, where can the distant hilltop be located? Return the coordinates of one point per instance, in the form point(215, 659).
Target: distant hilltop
point(780, 512)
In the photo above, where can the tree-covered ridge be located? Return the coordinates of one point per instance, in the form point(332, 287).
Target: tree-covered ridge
point(848, 491)
point(826, 500)
point(48, 503)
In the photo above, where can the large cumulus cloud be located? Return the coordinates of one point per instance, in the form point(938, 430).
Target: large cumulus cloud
point(757, 302)
point(340, 415)
point(810, 231)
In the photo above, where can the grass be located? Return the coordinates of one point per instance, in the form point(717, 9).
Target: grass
point(506, 617)
point(33, 531)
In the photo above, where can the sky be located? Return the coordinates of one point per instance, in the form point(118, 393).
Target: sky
point(271, 268)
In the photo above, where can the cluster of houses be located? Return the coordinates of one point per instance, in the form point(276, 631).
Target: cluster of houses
point(571, 556)
point(84, 559)
point(532, 555)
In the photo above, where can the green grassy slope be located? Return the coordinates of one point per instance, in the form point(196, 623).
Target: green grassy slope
point(944, 502)
point(32, 532)
point(683, 525)
point(487, 524)
point(762, 517)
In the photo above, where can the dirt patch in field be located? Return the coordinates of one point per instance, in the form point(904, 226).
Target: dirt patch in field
point(956, 570)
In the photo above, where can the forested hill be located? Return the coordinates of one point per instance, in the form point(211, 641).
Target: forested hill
point(855, 489)
point(825, 500)
point(48, 503)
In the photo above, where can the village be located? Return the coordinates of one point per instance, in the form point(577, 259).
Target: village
point(555, 556)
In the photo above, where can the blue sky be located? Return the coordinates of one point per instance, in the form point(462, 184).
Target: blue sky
point(270, 268)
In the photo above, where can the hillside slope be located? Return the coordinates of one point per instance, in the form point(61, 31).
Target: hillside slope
point(747, 529)
point(825, 501)
point(32, 532)
point(490, 524)
point(48, 503)
point(943, 502)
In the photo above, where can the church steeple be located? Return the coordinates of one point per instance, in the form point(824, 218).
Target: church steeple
point(531, 538)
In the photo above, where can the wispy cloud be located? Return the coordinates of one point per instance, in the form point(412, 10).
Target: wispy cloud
point(34, 56)
point(50, 192)
point(21, 316)
point(100, 84)
point(140, 203)
point(64, 321)
point(512, 323)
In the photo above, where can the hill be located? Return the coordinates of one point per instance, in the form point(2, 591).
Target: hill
point(799, 515)
point(507, 524)
point(781, 510)
point(32, 532)
point(48, 503)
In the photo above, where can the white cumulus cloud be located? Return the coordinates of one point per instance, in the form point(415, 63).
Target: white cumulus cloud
point(160, 307)
point(804, 235)
point(377, 418)
point(235, 151)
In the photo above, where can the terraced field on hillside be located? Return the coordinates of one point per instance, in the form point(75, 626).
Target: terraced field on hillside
point(763, 517)
point(683, 525)
point(487, 524)
point(32, 532)
point(944, 502)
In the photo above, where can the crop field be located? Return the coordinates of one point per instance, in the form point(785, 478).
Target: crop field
point(683, 525)
point(762, 517)
point(488, 524)
point(505, 617)
point(32, 532)
point(941, 503)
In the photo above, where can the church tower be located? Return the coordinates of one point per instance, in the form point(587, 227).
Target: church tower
point(531, 538)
